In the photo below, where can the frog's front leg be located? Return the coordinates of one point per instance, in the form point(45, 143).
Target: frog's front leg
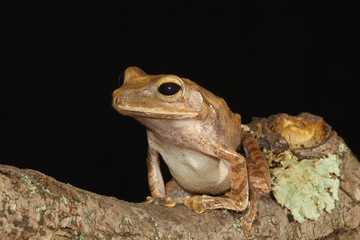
point(155, 179)
point(167, 195)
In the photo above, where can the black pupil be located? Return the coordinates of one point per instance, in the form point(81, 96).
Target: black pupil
point(169, 88)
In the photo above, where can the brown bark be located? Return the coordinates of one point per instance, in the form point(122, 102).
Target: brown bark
point(36, 206)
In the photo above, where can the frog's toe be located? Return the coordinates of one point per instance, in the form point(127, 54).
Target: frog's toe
point(188, 202)
point(168, 203)
point(149, 200)
point(246, 224)
point(156, 201)
point(195, 203)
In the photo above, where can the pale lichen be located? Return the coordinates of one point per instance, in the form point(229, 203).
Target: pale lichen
point(29, 184)
point(41, 208)
point(342, 148)
point(45, 190)
point(151, 219)
point(125, 221)
point(224, 213)
point(236, 225)
point(306, 187)
point(64, 199)
point(78, 236)
point(91, 216)
point(12, 207)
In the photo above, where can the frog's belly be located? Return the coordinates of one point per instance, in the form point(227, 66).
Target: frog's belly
point(195, 171)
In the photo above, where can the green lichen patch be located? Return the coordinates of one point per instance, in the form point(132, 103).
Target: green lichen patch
point(41, 208)
point(342, 148)
point(125, 221)
point(236, 225)
point(46, 190)
point(64, 200)
point(78, 235)
point(306, 187)
point(29, 184)
point(151, 219)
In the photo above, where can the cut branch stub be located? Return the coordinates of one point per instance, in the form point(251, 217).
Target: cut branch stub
point(306, 135)
point(299, 132)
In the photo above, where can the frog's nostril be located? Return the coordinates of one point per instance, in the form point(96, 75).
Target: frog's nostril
point(121, 79)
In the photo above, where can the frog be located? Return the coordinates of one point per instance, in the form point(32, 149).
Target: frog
point(200, 140)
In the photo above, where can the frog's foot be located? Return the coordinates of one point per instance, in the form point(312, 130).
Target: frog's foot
point(199, 203)
point(248, 220)
point(251, 212)
point(167, 202)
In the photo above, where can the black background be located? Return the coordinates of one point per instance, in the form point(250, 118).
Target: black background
point(63, 60)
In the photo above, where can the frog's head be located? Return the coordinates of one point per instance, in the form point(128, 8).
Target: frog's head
point(158, 96)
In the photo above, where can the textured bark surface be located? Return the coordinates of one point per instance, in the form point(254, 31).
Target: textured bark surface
point(36, 206)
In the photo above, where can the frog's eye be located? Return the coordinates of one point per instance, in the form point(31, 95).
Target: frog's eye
point(121, 79)
point(170, 89)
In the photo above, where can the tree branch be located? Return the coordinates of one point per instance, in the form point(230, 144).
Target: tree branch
point(36, 206)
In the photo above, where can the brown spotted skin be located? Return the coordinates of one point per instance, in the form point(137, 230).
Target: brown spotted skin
point(257, 166)
point(259, 178)
point(196, 135)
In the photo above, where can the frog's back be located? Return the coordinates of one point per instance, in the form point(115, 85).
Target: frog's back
point(227, 125)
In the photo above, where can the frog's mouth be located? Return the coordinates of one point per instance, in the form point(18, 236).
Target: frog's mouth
point(154, 112)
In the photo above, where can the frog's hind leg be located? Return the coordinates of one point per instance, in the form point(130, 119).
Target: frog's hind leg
point(250, 179)
point(238, 197)
point(259, 178)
